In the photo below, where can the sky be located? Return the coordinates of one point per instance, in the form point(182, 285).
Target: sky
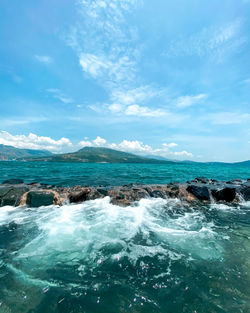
point(169, 78)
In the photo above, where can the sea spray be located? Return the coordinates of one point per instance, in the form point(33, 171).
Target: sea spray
point(157, 255)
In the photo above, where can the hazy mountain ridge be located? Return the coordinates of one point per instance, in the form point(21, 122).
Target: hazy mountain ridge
point(90, 155)
point(10, 153)
point(99, 155)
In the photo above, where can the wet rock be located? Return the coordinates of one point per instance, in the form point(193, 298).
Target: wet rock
point(234, 182)
point(203, 180)
point(226, 194)
point(158, 194)
point(125, 196)
point(103, 191)
point(245, 192)
point(80, 196)
point(200, 192)
point(13, 181)
point(37, 198)
point(12, 195)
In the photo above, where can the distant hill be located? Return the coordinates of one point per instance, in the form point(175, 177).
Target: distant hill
point(9, 153)
point(245, 163)
point(99, 155)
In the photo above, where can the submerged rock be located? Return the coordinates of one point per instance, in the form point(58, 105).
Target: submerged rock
point(13, 181)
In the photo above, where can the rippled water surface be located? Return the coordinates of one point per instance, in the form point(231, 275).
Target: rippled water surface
point(70, 174)
point(154, 256)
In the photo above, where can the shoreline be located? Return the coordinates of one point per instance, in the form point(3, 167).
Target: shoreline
point(15, 192)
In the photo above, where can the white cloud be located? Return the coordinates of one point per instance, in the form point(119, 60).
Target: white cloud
point(5, 122)
point(137, 110)
point(57, 94)
point(128, 101)
point(187, 101)
point(85, 143)
point(99, 141)
point(134, 146)
point(138, 147)
point(170, 145)
point(45, 59)
point(35, 142)
point(93, 64)
point(215, 42)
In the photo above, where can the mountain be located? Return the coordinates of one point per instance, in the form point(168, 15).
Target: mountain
point(245, 163)
point(9, 153)
point(99, 155)
point(158, 157)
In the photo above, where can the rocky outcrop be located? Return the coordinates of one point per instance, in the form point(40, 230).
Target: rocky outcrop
point(11, 195)
point(201, 189)
point(227, 194)
point(200, 192)
point(37, 198)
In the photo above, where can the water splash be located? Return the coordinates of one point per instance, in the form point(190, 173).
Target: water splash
point(96, 250)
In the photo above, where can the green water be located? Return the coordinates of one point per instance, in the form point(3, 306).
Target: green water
point(69, 174)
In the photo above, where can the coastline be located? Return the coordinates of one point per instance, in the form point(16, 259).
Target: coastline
point(15, 192)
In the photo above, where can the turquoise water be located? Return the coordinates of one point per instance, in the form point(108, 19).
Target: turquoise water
point(69, 174)
point(155, 256)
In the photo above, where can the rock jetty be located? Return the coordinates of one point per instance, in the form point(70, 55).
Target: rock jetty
point(15, 192)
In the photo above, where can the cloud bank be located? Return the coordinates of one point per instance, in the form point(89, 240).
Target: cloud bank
point(36, 142)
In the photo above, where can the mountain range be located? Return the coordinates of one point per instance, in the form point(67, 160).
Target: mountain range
point(9, 153)
point(88, 155)
point(98, 155)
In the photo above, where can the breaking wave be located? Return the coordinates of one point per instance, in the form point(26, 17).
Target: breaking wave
point(156, 255)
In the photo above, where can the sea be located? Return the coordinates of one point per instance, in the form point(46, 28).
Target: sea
point(154, 256)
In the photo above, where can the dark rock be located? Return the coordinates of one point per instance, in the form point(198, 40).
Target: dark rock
point(158, 194)
point(234, 182)
point(13, 181)
point(245, 192)
point(149, 190)
point(200, 192)
point(226, 194)
point(12, 195)
point(203, 180)
point(103, 191)
point(81, 196)
point(39, 198)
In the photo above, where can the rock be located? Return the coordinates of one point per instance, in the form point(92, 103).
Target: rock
point(234, 182)
point(12, 195)
point(245, 192)
point(203, 180)
point(125, 196)
point(103, 191)
point(158, 194)
point(13, 181)
point(79, 196)
point(226, 194)
point(37, 198)
point(200, 192)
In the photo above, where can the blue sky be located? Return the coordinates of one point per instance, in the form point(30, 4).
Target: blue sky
point(170, 78)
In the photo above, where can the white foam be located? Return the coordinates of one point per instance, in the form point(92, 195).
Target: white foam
point(73, 232)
